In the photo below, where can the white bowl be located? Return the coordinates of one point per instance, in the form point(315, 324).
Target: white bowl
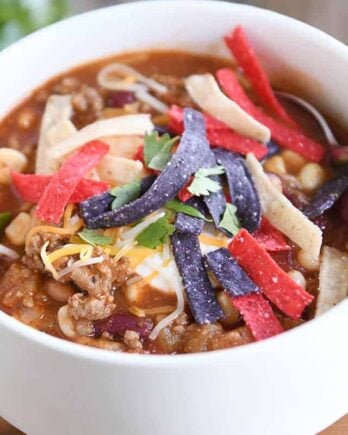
point(296, 383)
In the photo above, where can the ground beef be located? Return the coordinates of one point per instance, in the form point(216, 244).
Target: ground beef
point(90, 307)
point(32, 257)
point(202, 338)
point(98, 281)
point(18, 286)
point(132, 342)
point(176, 90)
point(88, 100)
point(169, 339)
point(101, 343)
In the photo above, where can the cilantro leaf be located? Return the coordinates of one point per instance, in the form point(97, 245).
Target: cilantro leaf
point(156, 234)
point(202, 185)
point(5, 218)
point(180, 207)
point(157, 150)
point(125, 194)
point(230, 221)
point(94, 237)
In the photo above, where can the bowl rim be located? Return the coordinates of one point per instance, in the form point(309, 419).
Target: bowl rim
point(152, 360)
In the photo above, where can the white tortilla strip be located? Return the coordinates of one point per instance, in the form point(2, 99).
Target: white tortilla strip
point(118, 126)
point(118, 170)
point(55, 126)
point(333, 279)
point(206, 93)
point(123, 146)
point(282, 214)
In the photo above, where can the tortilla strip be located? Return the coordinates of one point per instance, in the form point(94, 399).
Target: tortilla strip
point(282, 214)
point(55, 126)
point(120, 125)
point(333, 279)
point(206, 93)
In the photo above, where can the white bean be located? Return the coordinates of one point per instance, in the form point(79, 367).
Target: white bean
point(298, 277)
point(10, 160)
point(17, 230)
point(231, 313)
point(65, 322)
point(309, 263)
point(311, 176)
point(58, 291)
point(276, 165)
point(293, 161)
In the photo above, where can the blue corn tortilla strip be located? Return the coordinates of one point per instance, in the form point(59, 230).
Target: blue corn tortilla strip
point(242, 189)
point(190, 224)
point(273, 149)
point(185, 162)
point(229, 274)
point(99, 204)
point(200, 293)
point(326, 196)
point(215, 202)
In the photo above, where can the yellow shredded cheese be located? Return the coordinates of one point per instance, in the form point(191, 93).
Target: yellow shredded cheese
point(84, 250)
point(47, 263)
point(213, 241)
point(142, 312)
point(138, 254)
point(56, 230)
point(67, 215)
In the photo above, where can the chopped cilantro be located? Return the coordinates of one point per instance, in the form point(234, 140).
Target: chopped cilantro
point(125, 194)
point(157, 150)
point(202, 185)
point(94, 237)
point(5, 218)
point(156, 234)
point(230, 221)
point(180, 207)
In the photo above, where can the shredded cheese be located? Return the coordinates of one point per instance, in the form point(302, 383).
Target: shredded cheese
point(47, 263)
point(55, 230)
point(142, 312)
point(80, 263)
point(174, 280)
point(213, 241)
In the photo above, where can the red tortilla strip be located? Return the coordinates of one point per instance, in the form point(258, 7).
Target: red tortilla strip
point(64, 182)
point(245, 55)
point(258, 315)
point(270, 238)
point(219, 134)
point(31, 187)
point(139, 155)
point(274, 283)
point(184, 195)
point(283, 135)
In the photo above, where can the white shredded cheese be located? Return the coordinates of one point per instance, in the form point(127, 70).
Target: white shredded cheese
point(131, 234)
point(7, 252)
point(333, 279)
point(282, 214)
point(110, 78)
point(206, 93)
point(152, 101)
point(174, 280)
point(79, 263)
point(120, 125)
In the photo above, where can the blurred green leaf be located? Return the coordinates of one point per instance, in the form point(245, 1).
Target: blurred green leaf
point(21, 17)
